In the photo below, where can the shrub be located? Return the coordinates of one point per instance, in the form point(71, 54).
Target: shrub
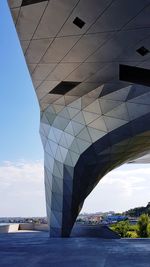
point(132, 234)
point(121, 228)
point(143, 226)
point(132, 227)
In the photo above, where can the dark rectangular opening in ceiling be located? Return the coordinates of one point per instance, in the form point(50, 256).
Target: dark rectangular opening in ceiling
point(134, 75)
point(64, 87)
point(79, 22)
point(31, 2)
point(143, 51)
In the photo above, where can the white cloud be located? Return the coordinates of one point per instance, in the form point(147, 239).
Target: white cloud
point(22, 188)
point(121, 189)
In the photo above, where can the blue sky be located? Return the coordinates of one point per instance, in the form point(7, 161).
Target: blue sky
point(21, 157)
point(19, 114)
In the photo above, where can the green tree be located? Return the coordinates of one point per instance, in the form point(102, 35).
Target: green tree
point(121, 228)
point(136, 212)
point(142, 226)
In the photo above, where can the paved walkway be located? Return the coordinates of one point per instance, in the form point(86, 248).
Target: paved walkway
point(37, 249)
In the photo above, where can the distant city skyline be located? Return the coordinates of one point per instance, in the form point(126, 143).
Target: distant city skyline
point(21, 157)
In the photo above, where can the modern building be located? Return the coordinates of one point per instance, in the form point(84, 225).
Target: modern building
point(90, 66)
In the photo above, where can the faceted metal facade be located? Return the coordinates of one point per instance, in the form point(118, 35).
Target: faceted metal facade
point(91, 122)
point(86, 139)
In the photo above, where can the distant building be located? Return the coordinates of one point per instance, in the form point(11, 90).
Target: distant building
point(115, 218)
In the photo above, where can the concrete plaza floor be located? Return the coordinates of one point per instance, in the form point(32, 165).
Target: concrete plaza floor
point(34, 249)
